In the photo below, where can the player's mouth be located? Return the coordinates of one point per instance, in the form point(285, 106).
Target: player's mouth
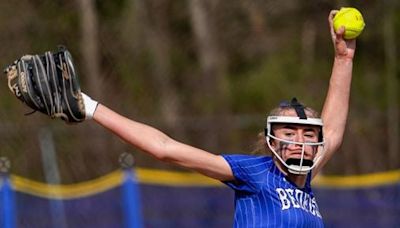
point(297, 154)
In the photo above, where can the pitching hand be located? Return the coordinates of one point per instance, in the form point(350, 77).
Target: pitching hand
point(343, 48)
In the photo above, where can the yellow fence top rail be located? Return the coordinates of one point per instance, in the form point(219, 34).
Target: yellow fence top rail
point(180, 179)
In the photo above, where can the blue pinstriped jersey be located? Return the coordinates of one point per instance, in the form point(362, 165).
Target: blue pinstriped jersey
point(265, 198)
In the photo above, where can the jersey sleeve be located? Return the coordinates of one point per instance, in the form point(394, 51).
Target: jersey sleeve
point(249, 172)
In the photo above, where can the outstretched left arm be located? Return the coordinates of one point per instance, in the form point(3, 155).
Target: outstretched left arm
point(336, 106)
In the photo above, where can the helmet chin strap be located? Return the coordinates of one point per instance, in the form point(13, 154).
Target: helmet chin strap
point(296, 165)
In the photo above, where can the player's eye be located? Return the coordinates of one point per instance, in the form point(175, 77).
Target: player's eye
point(289, 134)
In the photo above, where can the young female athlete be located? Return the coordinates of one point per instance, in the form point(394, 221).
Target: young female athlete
point(270, 191)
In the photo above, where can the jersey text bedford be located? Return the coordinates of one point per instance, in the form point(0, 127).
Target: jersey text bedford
point(297, 199)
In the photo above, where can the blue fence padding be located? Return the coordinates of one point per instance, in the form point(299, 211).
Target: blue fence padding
point(363, 207)
point(100, 210)
point(163, 207)
point(195, 207)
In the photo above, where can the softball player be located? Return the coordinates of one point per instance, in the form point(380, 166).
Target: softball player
point(270, 191)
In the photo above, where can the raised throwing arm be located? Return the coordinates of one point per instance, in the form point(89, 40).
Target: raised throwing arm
point(336, 106)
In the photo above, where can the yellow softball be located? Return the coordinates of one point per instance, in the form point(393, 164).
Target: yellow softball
point(351, 19)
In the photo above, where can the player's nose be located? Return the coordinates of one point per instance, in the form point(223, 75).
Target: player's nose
point(299, 137)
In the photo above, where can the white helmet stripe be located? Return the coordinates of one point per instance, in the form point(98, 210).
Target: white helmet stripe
point(294, 120)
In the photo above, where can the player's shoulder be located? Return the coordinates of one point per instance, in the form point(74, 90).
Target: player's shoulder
point(247, 159)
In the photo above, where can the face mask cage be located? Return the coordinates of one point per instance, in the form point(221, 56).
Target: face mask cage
point(302, 166)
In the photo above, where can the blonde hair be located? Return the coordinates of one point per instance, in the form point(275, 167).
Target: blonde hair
point(260, 146)
point(281, 111)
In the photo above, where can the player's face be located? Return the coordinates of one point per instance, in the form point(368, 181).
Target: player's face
point(295, 133)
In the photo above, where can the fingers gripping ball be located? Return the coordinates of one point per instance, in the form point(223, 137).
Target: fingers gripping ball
point(351, 19)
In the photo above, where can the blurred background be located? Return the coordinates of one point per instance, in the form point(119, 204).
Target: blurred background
point(206, 72)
